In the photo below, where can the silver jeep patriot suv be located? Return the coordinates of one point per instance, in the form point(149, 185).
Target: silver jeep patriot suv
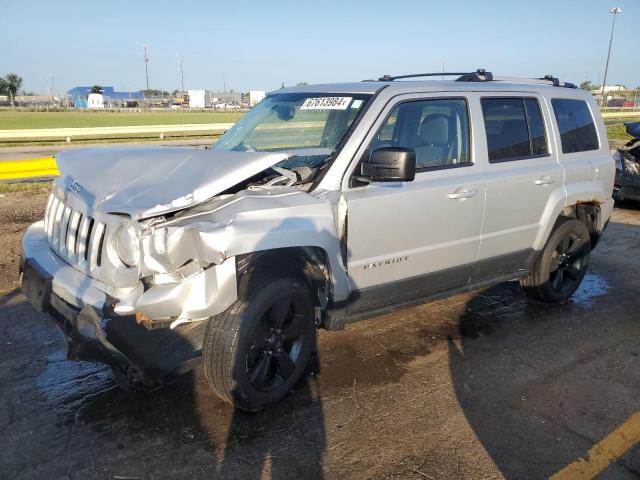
point(323, 205)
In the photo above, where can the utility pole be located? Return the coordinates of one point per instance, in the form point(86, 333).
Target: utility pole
point(179, 57)
point(52, 86)
point(443, 63)
point(146, 64)
point(615, 11)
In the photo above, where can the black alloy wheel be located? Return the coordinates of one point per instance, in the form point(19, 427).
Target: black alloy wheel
point(570, 259)
point(562, 264)
point(276, 344)
point(256, 350)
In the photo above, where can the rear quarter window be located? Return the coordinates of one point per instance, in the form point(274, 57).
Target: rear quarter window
point(577, 130)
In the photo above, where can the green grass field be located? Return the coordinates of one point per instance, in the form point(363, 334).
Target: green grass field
point(617, 132)
point(10, 120)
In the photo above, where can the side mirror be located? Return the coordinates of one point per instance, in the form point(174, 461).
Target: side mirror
point(390, 164)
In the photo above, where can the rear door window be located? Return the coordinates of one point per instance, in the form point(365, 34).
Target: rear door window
point(515, 128)
point(577, 130)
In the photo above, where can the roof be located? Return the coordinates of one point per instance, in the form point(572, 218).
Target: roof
point(411, 86)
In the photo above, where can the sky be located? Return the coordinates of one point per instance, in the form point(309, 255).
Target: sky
point(247, 45)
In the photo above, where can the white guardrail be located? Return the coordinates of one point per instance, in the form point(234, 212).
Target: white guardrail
point(622, 114)
point(69, 133)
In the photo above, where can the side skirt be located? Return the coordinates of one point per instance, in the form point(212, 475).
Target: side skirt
point(394, 296)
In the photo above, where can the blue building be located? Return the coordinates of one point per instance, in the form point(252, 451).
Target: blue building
point(81, 93)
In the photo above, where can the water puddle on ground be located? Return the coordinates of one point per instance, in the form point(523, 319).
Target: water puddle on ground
point(592, 286)
point(68, 384)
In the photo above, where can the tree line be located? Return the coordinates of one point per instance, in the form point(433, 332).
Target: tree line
point(9, 85)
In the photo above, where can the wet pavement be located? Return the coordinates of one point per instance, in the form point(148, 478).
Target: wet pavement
point(483, 385)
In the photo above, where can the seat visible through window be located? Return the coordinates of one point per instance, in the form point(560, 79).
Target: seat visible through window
point(433, 147)
point(437, 130)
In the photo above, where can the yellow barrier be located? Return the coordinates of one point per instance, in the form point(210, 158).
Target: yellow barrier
point(26, 169)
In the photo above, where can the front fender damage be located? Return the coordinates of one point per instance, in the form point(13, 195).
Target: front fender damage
point(198, 297)
point(189, 267)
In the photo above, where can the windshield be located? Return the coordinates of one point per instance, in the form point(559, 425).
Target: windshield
point(307, 125)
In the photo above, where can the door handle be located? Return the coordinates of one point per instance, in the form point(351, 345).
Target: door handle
point(546, 180)
point(461, 194)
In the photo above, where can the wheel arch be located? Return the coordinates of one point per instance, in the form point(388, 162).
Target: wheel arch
point(588, 212)
point(588, 209)
point(311, 262)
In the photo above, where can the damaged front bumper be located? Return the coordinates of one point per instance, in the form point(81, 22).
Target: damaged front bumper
point(627, 181)
point(98, 321)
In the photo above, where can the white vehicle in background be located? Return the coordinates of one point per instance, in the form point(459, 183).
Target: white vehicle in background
point(323, 205)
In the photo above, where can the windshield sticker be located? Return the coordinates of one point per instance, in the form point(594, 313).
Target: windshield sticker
point(356, 104)
point(326, 103)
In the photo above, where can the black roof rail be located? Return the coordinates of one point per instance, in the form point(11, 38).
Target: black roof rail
point(546, 80)
point(480, 74)
point(557, 83)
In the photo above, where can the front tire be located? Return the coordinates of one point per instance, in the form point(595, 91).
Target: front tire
point(256, 351)
point(562, 265)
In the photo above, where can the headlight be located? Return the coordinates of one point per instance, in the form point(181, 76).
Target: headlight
point(631, 166)
point(127, 245)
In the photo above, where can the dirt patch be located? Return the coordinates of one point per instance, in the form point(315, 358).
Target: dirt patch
point(18, 209)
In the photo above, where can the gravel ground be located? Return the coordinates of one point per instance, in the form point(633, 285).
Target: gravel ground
point(17, 211)
point(482, 385)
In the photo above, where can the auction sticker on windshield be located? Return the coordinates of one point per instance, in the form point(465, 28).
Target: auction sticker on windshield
point(326, 103)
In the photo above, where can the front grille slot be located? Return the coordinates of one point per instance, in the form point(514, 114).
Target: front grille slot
point(87, 240)
point(76, 237)
point(72, 232)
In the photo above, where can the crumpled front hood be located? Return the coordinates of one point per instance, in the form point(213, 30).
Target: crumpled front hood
point(143, 182)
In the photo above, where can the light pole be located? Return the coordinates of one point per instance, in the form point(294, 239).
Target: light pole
point(181, 71)
point(146, 64)
point(615, 11)
point(443, 63)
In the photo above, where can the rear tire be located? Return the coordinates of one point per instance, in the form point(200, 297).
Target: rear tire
point(562, 265)
point(256, 351)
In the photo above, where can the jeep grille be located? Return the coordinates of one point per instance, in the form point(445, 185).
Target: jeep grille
point(74, 236)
